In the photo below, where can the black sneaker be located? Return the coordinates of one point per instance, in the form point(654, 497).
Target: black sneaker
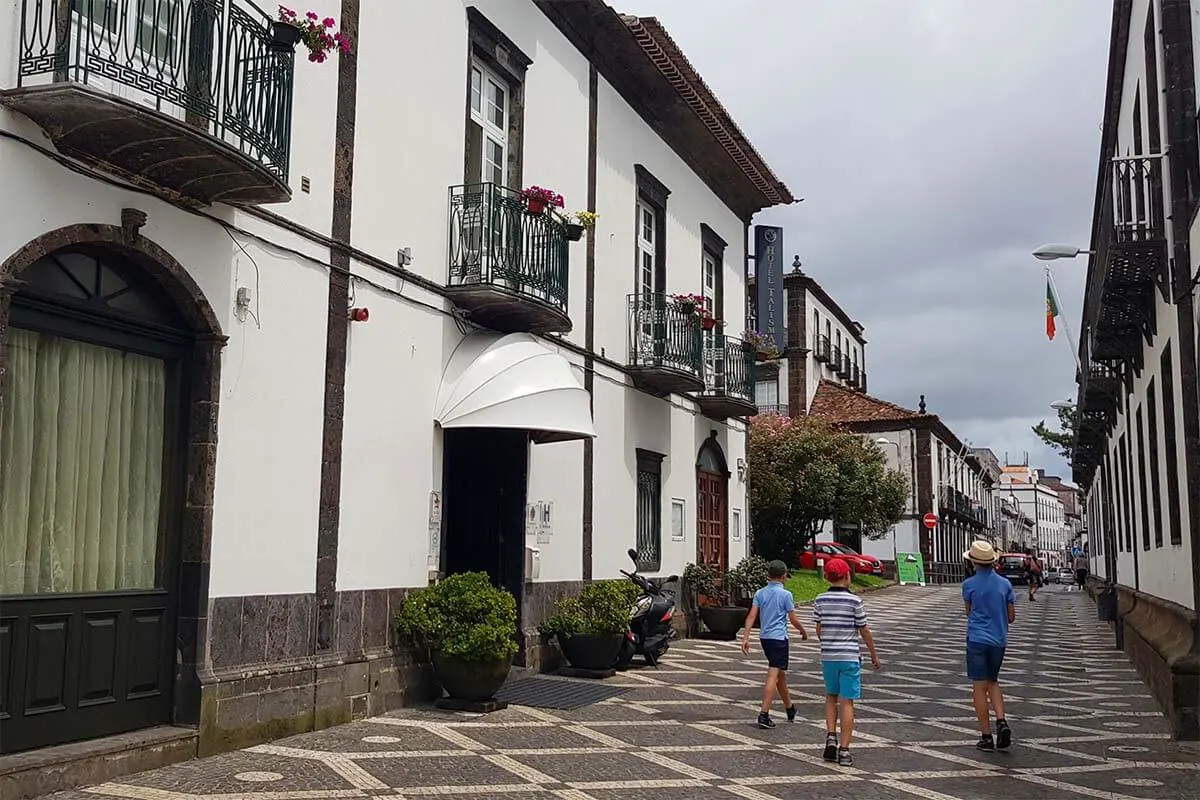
point(1003, 735)
point(844, 758)
point(831, 747)
point(791, 712)
point(764, 720)
point(986, 744)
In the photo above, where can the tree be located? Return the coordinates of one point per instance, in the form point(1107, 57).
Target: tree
point(805, 472)
point(1062, 441)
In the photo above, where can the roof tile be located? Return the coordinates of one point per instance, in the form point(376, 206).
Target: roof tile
point(837, 403)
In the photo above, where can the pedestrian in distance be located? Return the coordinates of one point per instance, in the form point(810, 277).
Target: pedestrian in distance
point(990, 607)
point(841, 621)
point(1034, 574)
point(1081, 571)
point(775, 607)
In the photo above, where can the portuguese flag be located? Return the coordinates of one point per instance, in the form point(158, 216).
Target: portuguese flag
point(1051, 311)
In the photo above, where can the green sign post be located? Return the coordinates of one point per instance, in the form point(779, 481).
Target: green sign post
point(910, 568)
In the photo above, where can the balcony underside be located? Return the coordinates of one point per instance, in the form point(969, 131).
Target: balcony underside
point(1100, 393)
point(507, 310)
point(723, 406)
point(663, 380)
point(144, 146)
point(1136, 265)
point(1126, 321)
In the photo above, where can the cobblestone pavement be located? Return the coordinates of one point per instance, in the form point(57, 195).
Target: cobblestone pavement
point(1084, 727)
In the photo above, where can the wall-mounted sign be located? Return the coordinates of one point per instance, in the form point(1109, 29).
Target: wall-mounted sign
point(533, 518)
point(546, 524)
point(770, 316)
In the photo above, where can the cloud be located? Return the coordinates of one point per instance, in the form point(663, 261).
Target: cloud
point(936, 144)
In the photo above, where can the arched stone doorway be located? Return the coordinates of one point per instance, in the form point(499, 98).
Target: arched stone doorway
point(712, 505)
point(109, 376)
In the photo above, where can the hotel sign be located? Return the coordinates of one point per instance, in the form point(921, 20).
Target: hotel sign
point(768, 272)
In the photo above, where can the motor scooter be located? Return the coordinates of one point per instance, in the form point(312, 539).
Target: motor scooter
point(650, 632)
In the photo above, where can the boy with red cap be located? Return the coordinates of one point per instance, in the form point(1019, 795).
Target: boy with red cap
point(841, 619)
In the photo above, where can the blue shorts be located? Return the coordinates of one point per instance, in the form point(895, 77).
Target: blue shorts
point(983, 661)
point(843, 678)
point(776, 651)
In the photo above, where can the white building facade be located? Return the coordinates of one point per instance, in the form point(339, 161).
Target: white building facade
point(1022, 485)
point(1137, 449)
point(282, 340)
point(945, 478)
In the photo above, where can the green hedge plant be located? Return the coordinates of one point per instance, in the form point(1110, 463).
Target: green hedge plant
point(463, 616)
point(748, 576)
point(601, 609)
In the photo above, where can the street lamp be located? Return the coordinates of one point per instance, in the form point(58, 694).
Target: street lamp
point(1063, 405)
point(1052, 252)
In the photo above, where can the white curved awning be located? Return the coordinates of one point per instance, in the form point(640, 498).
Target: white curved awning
point(513, 381)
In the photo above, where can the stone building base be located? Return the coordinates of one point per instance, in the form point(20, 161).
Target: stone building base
point(1160, 639)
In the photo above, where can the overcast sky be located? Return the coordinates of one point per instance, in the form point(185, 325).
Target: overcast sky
point(936, 144)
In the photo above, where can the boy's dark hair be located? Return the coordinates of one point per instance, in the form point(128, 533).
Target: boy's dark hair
point(776, 569)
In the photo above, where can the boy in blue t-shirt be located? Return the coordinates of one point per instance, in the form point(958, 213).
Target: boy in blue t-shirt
point(990, 607)
point(775, 604)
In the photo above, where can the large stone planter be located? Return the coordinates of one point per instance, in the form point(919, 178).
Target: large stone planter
point(593, 653)
point(474, 681)
point(724, 621)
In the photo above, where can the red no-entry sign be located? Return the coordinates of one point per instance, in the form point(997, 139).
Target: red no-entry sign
point(930, 520)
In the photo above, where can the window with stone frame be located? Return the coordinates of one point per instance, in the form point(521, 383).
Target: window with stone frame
point(649, 510)
point(495, 105)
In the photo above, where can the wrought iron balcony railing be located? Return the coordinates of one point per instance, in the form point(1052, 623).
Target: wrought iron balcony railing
point(663, 334)
point(821, 348)
point(728, 375)
point(835, 358)
point(504, 259)
point(205, 64)
point(774, 408)
point(1137, 199)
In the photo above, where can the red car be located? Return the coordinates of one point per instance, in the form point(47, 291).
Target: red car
point(820, 551)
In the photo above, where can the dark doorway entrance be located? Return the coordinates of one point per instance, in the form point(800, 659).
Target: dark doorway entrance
point(484, 499)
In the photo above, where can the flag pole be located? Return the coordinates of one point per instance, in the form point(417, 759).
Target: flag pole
point(1066, 326)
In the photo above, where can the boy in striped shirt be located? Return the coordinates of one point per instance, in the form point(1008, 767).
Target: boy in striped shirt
point(841, 619)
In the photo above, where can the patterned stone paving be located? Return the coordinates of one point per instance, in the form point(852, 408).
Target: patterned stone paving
point(1084, 727)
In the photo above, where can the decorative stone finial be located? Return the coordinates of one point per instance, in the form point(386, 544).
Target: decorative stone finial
point(132, 220)
point(921, 407)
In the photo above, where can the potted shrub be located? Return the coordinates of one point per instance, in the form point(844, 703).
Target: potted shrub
point(714, 594)
point(470, 629)
point(538, 199)
point(317, 34)
point(764, 348)
point(746, 578)
point(591, 627)
point(575, 224)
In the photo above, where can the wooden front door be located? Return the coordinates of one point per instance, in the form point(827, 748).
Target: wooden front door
point(711, 515)
point(90, 488)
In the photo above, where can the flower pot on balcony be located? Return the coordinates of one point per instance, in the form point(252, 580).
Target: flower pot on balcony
point(708, 323)
point(284, 37)
point(574, 232)
point(535, 206)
